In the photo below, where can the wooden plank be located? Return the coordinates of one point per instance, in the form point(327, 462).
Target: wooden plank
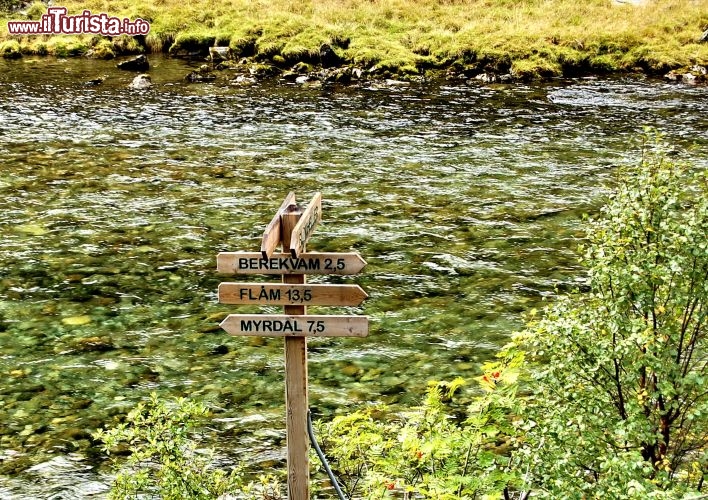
point(272, 234)
point(285, 263)
point(289, 295)
point(306, 225)
point(296, 392)
point(290, 325)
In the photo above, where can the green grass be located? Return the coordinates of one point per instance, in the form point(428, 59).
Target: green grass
point(529, 37)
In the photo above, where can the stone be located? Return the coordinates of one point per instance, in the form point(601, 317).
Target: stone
point(290, 76)
point(94, 344)
point(138, 63)
point(302, 68)
point(302, 79)
point(199, 77)
point(219, 54)
point(689, 78)
point(244, 80)
point(396, 83)
point(95, 81)
point(344, 76)
point(486, 78)
point(672, 76)
point(357, 73)
point(141, 82)
point(328, 57)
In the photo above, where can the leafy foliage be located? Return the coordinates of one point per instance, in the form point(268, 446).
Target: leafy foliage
point(10, 5)
point(619, 403)
point(428, 452)
point(165, 461)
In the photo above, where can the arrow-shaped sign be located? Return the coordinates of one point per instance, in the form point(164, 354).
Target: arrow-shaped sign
point(271, 235)
point(283, 263)
point(306, 225)
point(286, 295)
point(283, 325)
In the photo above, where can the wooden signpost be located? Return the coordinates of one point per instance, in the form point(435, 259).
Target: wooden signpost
point(291, 228)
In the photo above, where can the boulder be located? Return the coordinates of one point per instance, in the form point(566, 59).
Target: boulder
point(689, 78)
point(328, 57)
point(219, 54)
point(141, 82)
point(290, 76)
point(672, 76)
point(138, 63)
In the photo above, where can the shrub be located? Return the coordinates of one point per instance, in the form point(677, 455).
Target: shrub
point(619, 396)
point(164, 456)
point(427, 452)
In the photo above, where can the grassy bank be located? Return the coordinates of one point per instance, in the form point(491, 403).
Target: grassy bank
point(525, 37)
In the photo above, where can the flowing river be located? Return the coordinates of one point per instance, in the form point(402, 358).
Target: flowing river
point(466, 201)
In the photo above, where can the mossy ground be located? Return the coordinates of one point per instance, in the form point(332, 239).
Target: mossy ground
point(526, 37)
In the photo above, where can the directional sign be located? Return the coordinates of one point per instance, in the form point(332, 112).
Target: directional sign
point(284, 295)
point(283, 325)
point(283, 263)
point(306, 225)
point(271, 235)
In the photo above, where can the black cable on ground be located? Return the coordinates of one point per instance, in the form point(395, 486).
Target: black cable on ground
point(323, 459)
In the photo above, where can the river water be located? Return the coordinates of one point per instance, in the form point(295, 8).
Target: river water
point(466, 201)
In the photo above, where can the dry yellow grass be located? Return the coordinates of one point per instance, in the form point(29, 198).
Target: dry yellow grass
point(526, 36)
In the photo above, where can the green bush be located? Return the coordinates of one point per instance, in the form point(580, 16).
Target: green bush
point(427, 452)
point(619, 381)
point(164, 458)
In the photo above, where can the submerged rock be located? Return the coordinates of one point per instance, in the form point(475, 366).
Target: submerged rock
point(95, 82)
point(94, 344)
point(138, 63)
point(141, 82)
point(200, 77)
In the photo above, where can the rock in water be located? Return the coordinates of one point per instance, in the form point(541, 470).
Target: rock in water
point(141, 82)
point(95, 81)
point(199, 77)
point(138, 63)
point(219, 54)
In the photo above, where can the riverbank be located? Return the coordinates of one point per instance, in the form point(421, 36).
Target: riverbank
point(524, 39)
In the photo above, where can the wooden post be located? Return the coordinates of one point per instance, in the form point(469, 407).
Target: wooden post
point(296, 397)
point(292, 227)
